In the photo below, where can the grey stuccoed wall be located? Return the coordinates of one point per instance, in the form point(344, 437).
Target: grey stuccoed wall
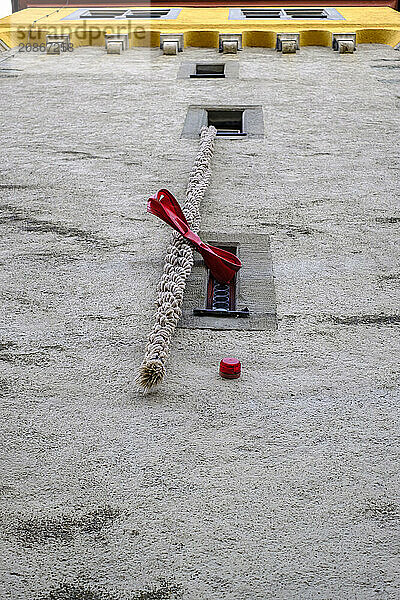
point(279, 485)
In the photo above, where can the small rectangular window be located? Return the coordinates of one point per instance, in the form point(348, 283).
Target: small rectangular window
point(211, 71)
point(221, 297)
point(227, 122)
point(248, 303)
point(233, 122)
point(208, 70)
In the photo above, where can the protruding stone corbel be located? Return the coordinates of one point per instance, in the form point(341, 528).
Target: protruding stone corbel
point(344, 43)
point(170, 48)
point(121, 38)
point(54, 48)
point(230, 43)
point(115, 47)
point(288, 43)
point(55, 44)
point(171, 43)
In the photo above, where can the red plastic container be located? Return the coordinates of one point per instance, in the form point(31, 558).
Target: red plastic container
point(230, 368)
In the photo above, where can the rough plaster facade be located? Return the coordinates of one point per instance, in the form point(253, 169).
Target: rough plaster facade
point(280, 485)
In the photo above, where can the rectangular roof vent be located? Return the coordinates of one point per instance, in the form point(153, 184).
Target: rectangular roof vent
point(150, 13)
point(95, 13)
point(123, 13)
point(306, 13)
point(285, 13)
point(261, 13)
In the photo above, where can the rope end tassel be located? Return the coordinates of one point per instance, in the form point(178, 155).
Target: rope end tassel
point(179, 260)
point(151, 373)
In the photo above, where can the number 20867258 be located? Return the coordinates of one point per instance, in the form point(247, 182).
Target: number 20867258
point(64, 47)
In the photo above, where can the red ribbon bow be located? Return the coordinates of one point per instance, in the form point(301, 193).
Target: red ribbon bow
point(222, 264)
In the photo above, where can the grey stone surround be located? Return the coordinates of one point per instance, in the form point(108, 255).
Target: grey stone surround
point(196, 118)
point(254, 288)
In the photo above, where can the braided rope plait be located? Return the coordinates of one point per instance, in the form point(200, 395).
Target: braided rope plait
point(177, 266)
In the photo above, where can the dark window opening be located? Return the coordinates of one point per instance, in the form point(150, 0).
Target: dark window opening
point(221, 297)
point(209, 71)
point(227, 122)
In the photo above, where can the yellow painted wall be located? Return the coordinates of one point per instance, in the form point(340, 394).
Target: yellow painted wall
point(201, 27)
